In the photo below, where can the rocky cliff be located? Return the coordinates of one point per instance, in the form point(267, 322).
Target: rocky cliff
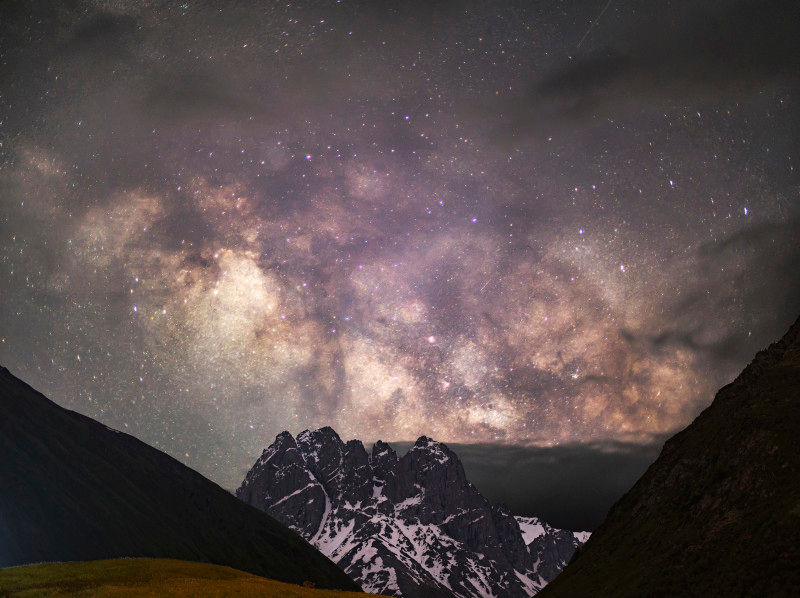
point(411, 526)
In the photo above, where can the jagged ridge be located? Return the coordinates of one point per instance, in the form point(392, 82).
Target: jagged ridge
point(412, 526)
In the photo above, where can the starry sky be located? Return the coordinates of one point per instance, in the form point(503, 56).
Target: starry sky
point(525, 224)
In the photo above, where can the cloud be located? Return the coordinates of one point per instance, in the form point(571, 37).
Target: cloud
point(570, 486)
point(198, 97)
point(103, 35)
point(753, 266)
point(684, 54)
point(784, 235)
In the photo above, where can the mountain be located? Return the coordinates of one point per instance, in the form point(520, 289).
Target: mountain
point(410, 526)
point(72, 489)
point(551, 548)
point(718, 513)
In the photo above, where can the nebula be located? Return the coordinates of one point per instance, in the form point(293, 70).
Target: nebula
point(220, 223)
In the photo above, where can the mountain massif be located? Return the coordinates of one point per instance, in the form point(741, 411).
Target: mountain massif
point(718, 513)
point(72, 489)
point(410, 526)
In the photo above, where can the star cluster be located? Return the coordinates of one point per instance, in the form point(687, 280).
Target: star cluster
point(219, 223)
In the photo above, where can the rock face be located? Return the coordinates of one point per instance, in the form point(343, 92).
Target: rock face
point(718, 513)
point(412, 526)
point(551, 548)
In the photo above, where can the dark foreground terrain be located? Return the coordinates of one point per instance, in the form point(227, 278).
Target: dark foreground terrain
point(148, 577)
point(72, 489)
point(718, 513)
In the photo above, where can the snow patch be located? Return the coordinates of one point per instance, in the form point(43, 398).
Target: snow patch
point(582, 537)
point(531, 528)
point(295, 493)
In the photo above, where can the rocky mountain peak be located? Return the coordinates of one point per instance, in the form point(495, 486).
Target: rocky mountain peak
point(356, 484)
point(282, 479)
point(284, 440)
point(432, 471)
point(382, 459)
point(381, 448)
point(277, 452)
point(355, 457)
point(323, 451)
point(355, 446)
point(438, 450)
point(412, 526)
point(324, 439)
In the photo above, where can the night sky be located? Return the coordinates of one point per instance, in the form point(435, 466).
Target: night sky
point(543, 223)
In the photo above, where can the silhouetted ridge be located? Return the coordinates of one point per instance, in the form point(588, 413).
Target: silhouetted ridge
point(718, 513)
point(73, 489)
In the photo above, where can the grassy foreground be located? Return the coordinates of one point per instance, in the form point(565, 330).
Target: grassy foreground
point(147, 577)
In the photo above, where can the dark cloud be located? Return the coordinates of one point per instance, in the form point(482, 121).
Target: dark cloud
point(192, 98)
point(570, 486)
point(783, 236)
point(753, 266)
point(685, 53)
point(104, 35)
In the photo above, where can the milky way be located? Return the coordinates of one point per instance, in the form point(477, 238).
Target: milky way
point(218, 224)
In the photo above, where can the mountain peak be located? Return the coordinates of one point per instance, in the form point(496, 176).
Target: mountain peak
point(283, 442)
point(439, 451)
point(283, 438)
point(380, 448)
point(383, 459)
point(326, 431)
point(354, 445)
point(424, 441)
point(427, 443)
point(323, 435)
point(408, 527)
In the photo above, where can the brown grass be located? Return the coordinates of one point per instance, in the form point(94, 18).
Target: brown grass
point(147, 577)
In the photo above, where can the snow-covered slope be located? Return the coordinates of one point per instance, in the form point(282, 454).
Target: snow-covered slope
point(411, 527)
point(550, 547)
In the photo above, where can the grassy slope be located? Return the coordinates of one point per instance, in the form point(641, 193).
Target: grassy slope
point(147, 577)
point(718, 514)
point(73, 490)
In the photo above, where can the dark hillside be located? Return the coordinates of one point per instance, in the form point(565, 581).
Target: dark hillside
point(718, 513)
point(73, 489)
